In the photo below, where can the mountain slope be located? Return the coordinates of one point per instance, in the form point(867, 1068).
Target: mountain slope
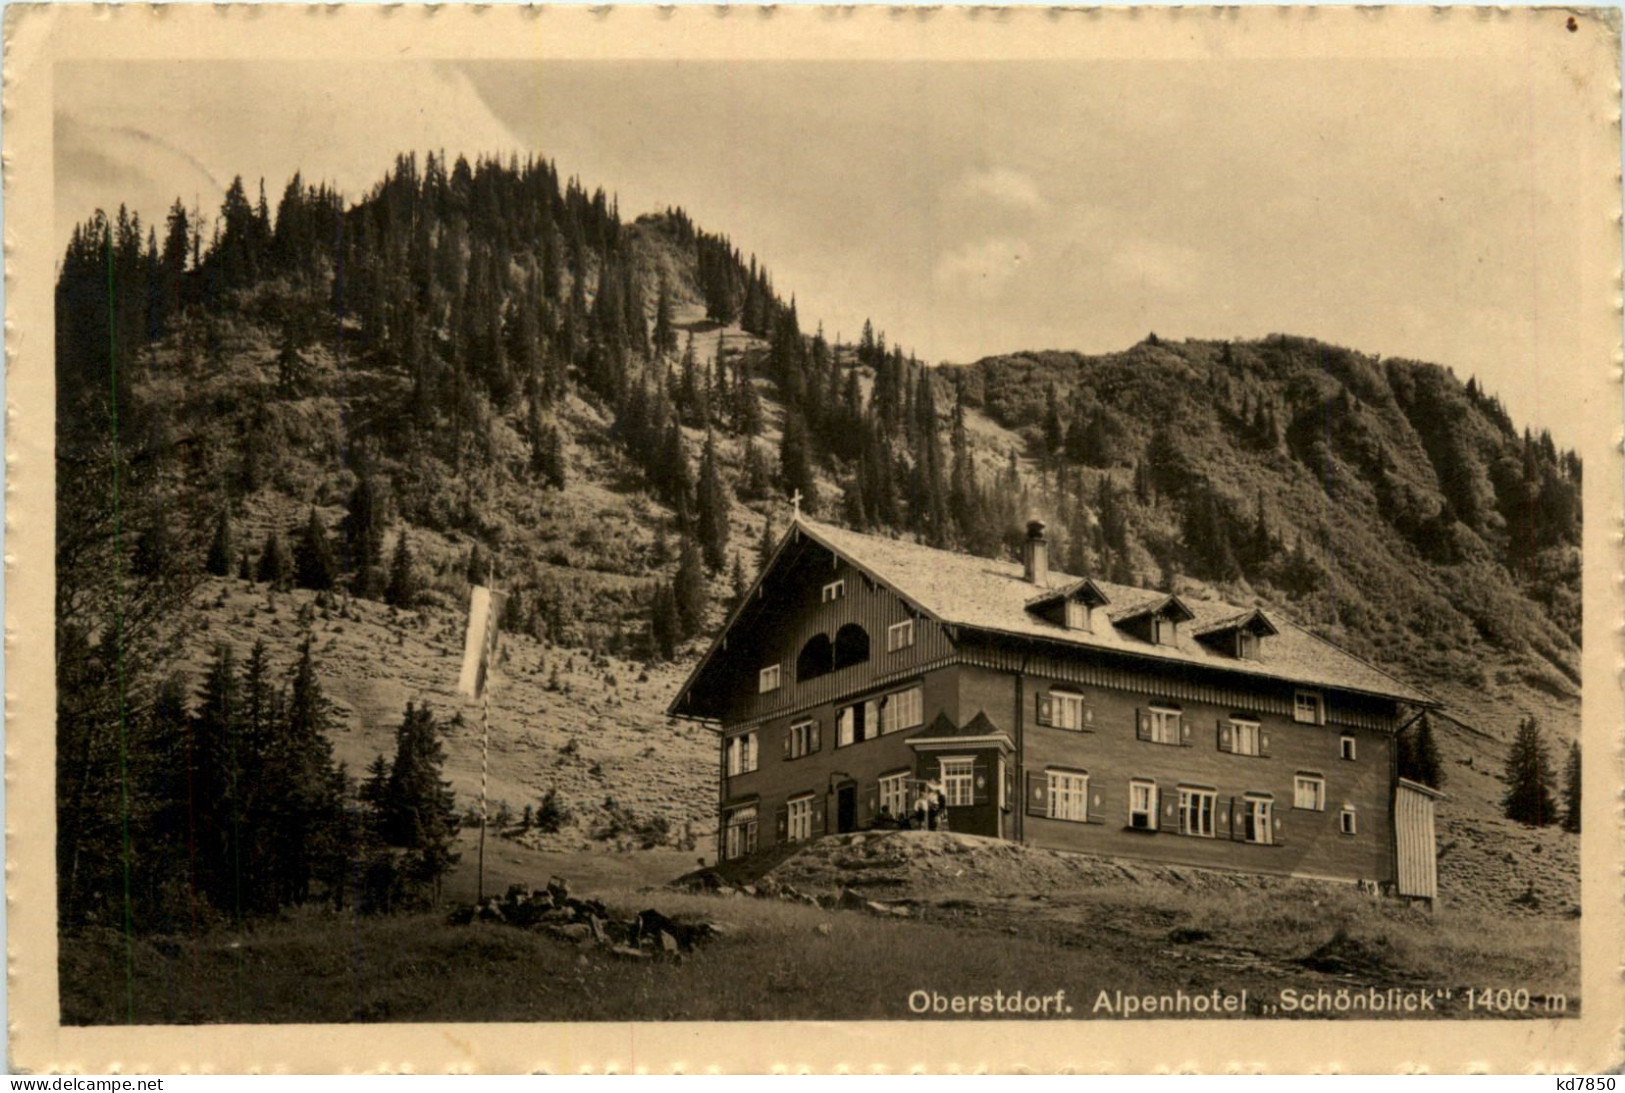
point(495, 367)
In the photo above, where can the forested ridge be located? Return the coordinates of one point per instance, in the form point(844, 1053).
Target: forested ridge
point(480, 370)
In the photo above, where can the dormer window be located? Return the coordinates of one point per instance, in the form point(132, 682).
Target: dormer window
point(833, 591)
point(1156, 622)
point(1239, 636)
point(1071, 607)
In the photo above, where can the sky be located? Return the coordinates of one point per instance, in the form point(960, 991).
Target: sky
point(1408, 208)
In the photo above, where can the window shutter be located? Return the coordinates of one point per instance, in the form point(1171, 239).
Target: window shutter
point(1236, 832)
point(781, 823)
point(1142, 724)
point(1037, 793)
point(1263, 743)
point(980, 781)
point(1184, 731)
point(1276, 838)
point(812, 744)
point(1226, 738)
point(1156, 808)
point(1088, 716)
point(788, 733)
point(1046, 709)
point(818, 816)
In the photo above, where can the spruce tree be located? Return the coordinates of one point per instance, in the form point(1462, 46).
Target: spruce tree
point(363, 529)
point(420, 810)
point(1419, 755)
point(688, 586)
point(712, 507)
point(665, 335)
point(313, 565)
point(218, 561)
point(766, 546)
point(402, 590)
point(796, 461)
point(665, 630)
point(738, 586)
point(1529, 778)
point(1571, 789)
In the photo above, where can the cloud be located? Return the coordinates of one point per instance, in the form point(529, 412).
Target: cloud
point(1005, 185)
point(982, 268)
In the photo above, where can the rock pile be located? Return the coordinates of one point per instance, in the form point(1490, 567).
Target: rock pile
point(587, 922)
point(768, 887)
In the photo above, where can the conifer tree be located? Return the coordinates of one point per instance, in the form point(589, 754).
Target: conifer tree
point(402, 590)
point(738, 586)
point(420, 810)
point(796, 461)
point(1571, 789)
point(274, 569)
point(313, 565)
point(1529, 778)
point(363, 529)
point(665, 335)
point(665, 630)
point(1419, 755)
point(688, 586)
point(712, 506)
point(218, 561)
point(766, 546)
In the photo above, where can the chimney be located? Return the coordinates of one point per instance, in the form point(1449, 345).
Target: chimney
point(1036, 554)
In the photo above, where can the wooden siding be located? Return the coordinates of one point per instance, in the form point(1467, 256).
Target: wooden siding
point(1414, 844)
point(1177, 681)
point(820, 772)
point(1308, 842)
point(776, 637)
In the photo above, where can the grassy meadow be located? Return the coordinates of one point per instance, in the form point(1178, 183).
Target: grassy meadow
point(779, 960)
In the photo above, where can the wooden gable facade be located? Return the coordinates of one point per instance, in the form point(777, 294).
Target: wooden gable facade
point(869, 698)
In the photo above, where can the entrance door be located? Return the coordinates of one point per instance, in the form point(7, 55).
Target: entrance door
point(846, 809)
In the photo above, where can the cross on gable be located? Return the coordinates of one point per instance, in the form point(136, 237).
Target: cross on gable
point(795, 502)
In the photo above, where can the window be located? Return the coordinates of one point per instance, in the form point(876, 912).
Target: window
point(801, 739)
point(801, 816)
point(894, 795)
point(1142, 805)
point(959, 781)
point(1246, 736)
point(899, 635)
point(1069, 712)
point(903, 710)
point(1068, 795)
point(768, 679)
point(1347, 746)
point(1077, 615)
point(1256, 820)
point(851, 646)
point(1246, 645)
point(1306, 707)
point(1350, 825)
point(833, 591)
point(739, 833)
point(816, 658)
point(857, 723)
point(741, 752)
point(1164, 725)
point(1309, 791)
point(1196, 811)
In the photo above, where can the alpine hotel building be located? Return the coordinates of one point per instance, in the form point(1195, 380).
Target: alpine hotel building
point(1055, 711)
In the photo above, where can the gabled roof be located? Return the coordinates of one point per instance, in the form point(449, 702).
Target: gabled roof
point(1169, 605)
point(1081, 589)
point(992, 596)
point(1254, 620)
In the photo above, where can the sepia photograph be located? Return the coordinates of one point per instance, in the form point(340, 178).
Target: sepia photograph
point(667, 537)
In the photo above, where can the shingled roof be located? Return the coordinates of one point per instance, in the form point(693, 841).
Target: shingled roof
point(992, 595)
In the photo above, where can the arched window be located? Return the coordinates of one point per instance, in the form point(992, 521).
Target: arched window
point(851, 645)
point(815, 659)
